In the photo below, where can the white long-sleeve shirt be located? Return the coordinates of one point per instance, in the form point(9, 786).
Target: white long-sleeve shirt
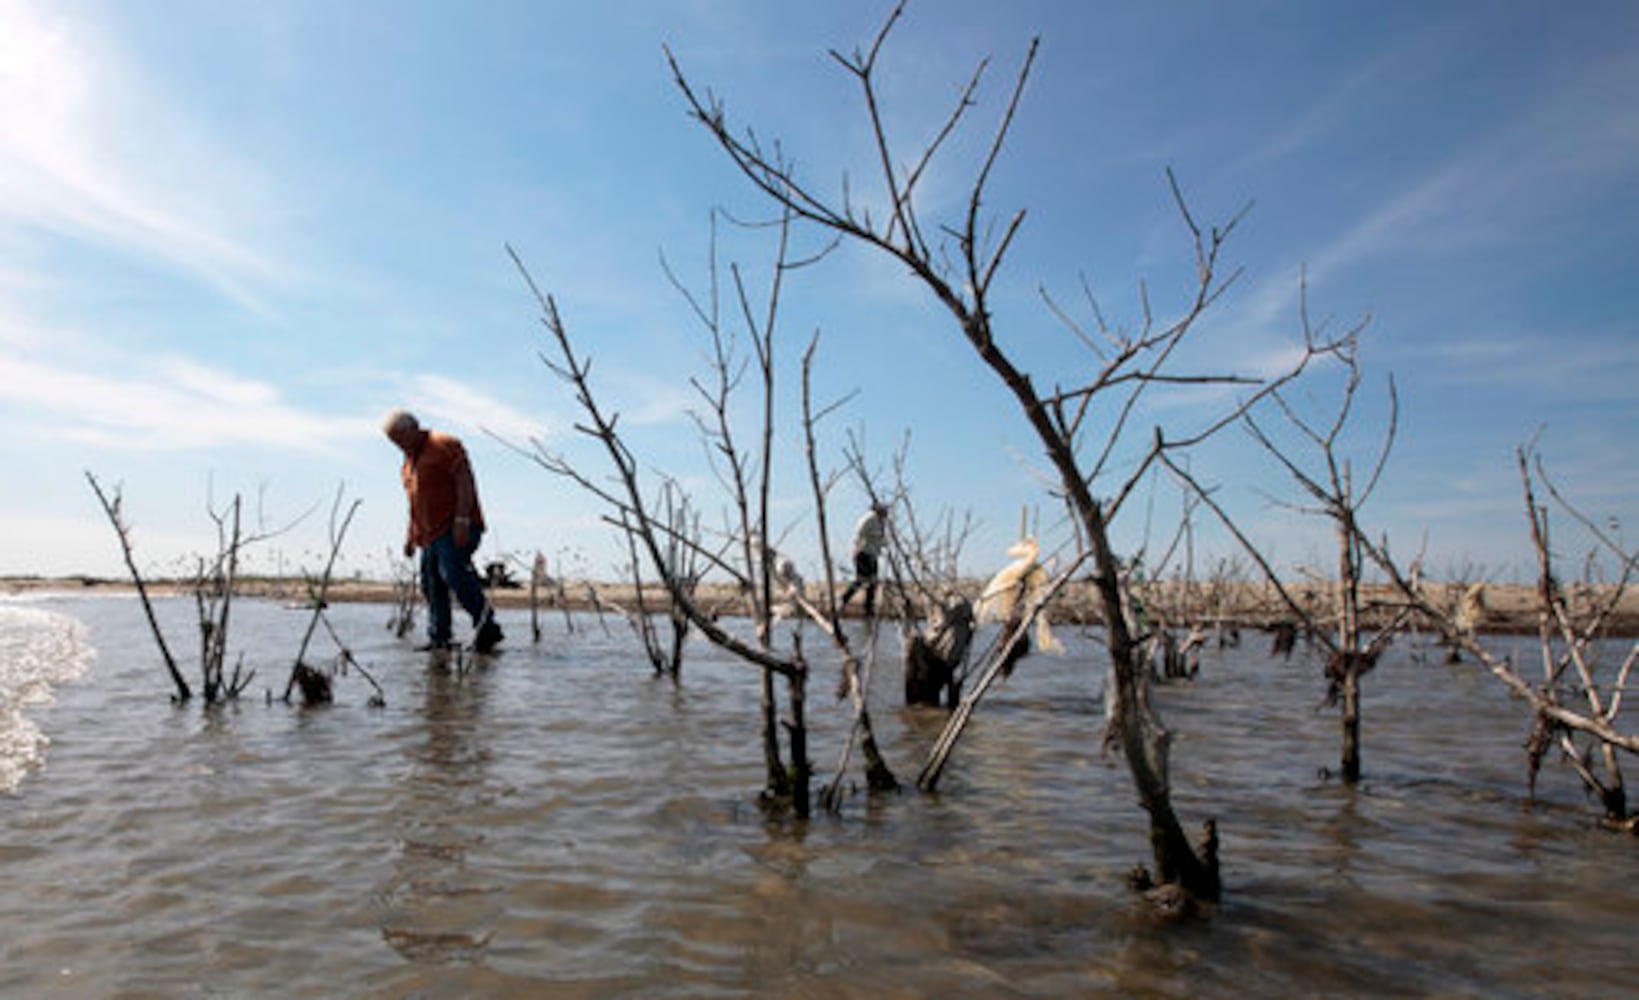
point(868, 534)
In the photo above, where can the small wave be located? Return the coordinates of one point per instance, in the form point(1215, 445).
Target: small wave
point(39, 650)
point(24, 598)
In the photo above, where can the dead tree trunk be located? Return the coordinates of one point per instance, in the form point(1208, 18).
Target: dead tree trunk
point(1351, 725)
point(959, 270)
point(802, 770)
point(406, 593)
point(537, 576)
point(213, 588)
point(1555, 620)
point(1348, 636)
point(111, 507)
point(929, 677)
point(1568, 652)
point(633, 514)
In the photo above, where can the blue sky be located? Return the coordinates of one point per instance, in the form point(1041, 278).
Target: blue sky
point(232, 236)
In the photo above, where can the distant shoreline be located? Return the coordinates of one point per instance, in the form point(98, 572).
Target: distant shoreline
point(1510, 608)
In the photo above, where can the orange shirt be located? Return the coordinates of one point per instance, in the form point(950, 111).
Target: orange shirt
point(432, 476)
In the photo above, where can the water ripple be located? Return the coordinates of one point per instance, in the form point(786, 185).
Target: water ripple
point(558, 822)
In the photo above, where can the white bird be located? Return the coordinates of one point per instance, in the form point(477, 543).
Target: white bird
point(1471, 607)
point(1019, 584)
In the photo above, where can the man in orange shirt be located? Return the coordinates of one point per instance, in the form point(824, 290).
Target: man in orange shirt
point(446, 523)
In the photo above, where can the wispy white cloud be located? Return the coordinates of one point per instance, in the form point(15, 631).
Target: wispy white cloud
point(166, 404)
point(437, 398)
point(108, 397)
point(87, 151)
point(1569, 144)
point(1567, 141)
point(1331, 111)
point(1592, 367)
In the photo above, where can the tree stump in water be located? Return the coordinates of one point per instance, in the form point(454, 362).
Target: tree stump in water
point(1286, 636)
point(314, 685)
point(927, 675)
point(931, 663)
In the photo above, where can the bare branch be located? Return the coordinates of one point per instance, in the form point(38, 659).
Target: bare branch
point(111, 507)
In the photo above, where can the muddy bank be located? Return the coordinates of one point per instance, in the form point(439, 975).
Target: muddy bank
point(1509, 608)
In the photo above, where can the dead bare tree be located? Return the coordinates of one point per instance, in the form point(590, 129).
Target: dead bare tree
point(560, 593)
point(747, 479)
point(406, 594)
point(1326, 476)
point(631, 513)
point(746, 475)
point(315, 684)
point(958, 259)
point(1225, 593)
point(213, 590)
point(682, 523)
point(1573, 648)
point(213, 586)
point(924, 558)
point(537, 579)
point(856, 677)
point(111, 505)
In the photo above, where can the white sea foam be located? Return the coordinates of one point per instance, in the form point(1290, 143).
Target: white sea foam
point(39, 650)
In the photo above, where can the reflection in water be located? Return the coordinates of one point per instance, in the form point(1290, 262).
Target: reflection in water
point(438, 906)
point(1343, 828)
point(559, 824)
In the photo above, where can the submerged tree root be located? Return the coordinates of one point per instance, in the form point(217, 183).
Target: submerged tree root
point(314, 685)
point(1171, 902)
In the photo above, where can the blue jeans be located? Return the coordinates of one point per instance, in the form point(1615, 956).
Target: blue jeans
point(447, 567)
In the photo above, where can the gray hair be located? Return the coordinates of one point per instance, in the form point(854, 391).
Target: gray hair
point(398, 422)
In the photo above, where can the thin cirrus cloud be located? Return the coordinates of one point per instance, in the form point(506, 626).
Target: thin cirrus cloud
point(1597, 367)
point(179, 404)
point(436, 398)
point(94, 160)
point(164, 405)
point(1566, 142)
point(1567, 148)
point(88, 153)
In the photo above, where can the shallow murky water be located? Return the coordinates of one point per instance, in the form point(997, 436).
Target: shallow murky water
point(558, 823)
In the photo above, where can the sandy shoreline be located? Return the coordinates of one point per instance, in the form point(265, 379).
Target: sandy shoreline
point(1510, 608)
